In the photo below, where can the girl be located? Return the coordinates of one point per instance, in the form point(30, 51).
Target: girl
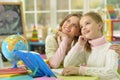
point(94, 50)
point(57, 46)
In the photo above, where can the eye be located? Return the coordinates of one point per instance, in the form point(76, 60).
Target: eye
point(68, 21)
point(75, 25)
point(87, 23)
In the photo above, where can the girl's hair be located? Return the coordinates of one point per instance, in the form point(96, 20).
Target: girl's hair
point(66, 18)
point(98, 19)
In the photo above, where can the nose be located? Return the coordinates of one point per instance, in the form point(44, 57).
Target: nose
point(83, 28)
point(69, 25)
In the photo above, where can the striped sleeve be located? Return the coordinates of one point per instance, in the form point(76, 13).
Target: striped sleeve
point(54, 53)
point(75, 56)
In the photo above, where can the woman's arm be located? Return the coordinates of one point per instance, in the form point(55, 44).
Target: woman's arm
point(55, 53)
point(116, 47)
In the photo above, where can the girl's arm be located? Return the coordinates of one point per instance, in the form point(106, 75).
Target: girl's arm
point(55, 53)
point(75, 56)
point(106, 73)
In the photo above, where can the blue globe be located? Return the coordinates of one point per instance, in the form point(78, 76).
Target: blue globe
point(12, 43)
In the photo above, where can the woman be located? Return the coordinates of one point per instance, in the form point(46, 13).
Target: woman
point(58, 45)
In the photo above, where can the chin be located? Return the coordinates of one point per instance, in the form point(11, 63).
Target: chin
point(64, 31)
point(88, 38)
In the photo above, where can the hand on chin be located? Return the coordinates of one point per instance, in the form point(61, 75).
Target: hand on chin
point(87, 37)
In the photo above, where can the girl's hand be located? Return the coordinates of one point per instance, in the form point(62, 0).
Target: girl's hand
point(82, 40)
point(116, 47)
point(70, 71)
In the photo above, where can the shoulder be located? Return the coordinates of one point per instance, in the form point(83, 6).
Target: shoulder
point(50, 37)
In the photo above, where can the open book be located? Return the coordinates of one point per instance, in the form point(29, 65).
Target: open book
point(35, 63)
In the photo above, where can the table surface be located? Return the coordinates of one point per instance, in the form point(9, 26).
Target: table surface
point(27, 77)
point(78, 78)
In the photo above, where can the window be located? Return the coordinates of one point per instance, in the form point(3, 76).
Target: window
point(69, 6)
point(51, 12)
point(36, 12)
point(41, 12)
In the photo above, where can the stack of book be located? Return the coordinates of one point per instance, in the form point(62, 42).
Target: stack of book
point(9, 72)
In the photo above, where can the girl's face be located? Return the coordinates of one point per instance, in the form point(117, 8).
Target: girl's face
point(89, 28)
point(71, 26)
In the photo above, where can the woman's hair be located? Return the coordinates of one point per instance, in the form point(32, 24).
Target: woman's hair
point(66, 18)
point(98, 19)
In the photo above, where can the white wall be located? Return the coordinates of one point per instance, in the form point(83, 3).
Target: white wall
point(10, 0)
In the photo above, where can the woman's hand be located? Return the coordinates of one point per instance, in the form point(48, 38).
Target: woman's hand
point(70, 71)
point(65, 36)
point(116, 47)
point(82, 40)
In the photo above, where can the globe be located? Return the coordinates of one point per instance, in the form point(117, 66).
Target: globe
point(12, 43)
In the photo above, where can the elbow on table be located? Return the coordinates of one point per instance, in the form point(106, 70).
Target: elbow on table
point(53, 66)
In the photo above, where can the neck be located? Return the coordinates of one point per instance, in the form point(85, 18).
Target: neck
point(97, 42)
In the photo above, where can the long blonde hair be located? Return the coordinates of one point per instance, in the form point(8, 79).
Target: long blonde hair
point(97, 18)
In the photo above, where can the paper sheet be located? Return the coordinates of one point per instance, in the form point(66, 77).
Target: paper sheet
point(58, 71)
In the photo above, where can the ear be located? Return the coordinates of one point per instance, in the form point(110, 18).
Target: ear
point(100, 25)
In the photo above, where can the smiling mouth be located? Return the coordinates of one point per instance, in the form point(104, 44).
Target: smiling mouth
point(86, 32)
point(67, 29)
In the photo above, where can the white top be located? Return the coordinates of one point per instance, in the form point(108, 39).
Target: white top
point(55, 50)
point(101, 62)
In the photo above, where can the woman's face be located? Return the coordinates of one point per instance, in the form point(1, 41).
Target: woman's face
point(89, 28)
point(71, 26)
